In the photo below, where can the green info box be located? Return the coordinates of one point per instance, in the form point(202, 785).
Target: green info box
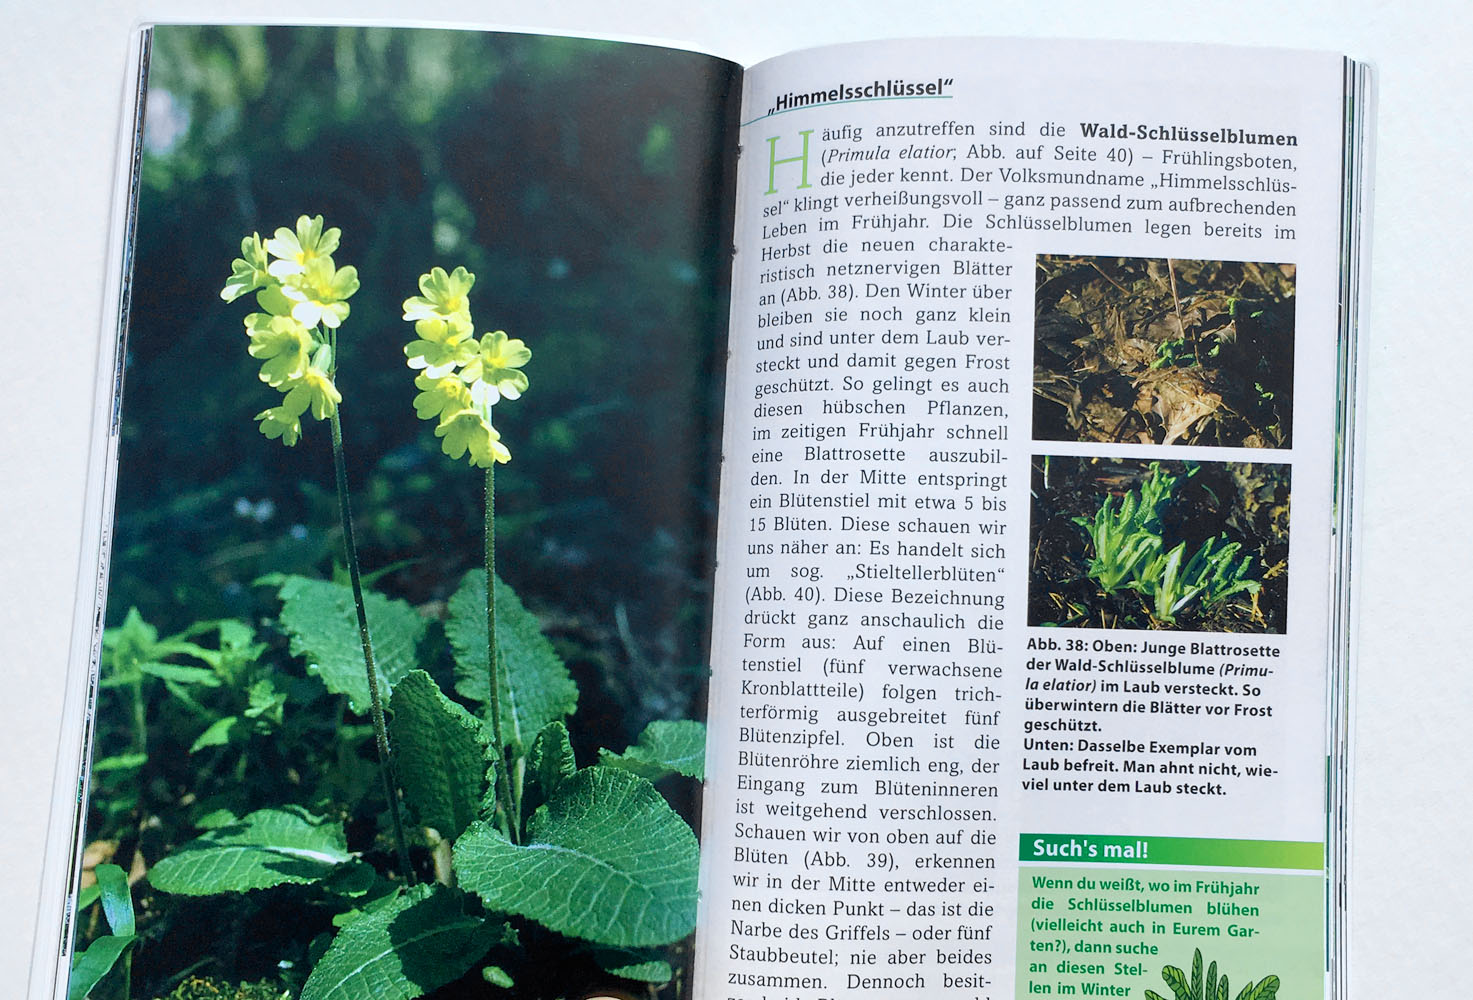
point(1112, 924)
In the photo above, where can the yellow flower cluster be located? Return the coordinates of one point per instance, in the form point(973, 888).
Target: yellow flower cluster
point(304, 298)
point(460, 378)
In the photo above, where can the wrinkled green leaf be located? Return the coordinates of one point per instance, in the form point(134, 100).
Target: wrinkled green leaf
point(606, 860)
point(641, 966)
point(536, 688)
point(266, 848)
point(664, 748)
point(440, 751)
point(497, 976)
point(323, 623)
point(404, 948)
point(549, 763)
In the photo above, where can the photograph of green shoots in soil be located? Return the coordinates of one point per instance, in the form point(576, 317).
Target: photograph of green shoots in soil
point(1190, 546)
point(1153, 351)
point(404, 651)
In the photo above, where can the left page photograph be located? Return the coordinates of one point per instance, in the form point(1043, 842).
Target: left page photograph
point(397, 686)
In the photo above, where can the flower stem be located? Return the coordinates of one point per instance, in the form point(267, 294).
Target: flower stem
point(503, 772)
point(380, 730)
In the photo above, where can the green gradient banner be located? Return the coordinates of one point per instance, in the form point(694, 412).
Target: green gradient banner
point(1087, 848)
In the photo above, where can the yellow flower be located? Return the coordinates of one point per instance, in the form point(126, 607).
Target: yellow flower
point(297, 250)
point(279, 422)
point(318, 290)
point(248, 271)
point(444, 296)
point(443, 346)
point(282, 343)
point(496, 366)
point(440, 396)
point(466, 431)
point(314, 391)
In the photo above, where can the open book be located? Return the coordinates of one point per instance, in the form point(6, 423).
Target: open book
point(584, 519)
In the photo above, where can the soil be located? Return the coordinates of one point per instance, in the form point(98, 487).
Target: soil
point(1163, 351)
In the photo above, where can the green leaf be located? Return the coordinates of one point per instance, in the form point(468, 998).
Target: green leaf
point(120, 762)
point(641, 966)
point(440, 751)
point(268, 847)
point(1197, 974)
point(415, 943)
point(117, 901)
point(1267, 989)
point(1177, 980)
point(536, 687)
point(664, 748)
point(606, 860)
point(323, 622)
point(97, 961)
point(183, 675)
point(549, 764)
point(497, 976)
point(217, 735)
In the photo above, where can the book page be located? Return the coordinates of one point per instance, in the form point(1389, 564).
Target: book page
point(1020, 675)
point(395, 658)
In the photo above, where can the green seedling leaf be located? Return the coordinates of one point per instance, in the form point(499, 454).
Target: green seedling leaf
point(323, 623)
point(606, 860)
point(120, 762)
point(97, 961)
point(664, 748)
point(536, 686)
point(182, 675)
point(413, 944)
point(117, 901)
point(218, 734)
point(266, 848)
point(440, 750)
point(549, 764)
point(497, 976)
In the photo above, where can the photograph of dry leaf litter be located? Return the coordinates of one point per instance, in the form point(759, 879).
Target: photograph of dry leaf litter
point(1163, 351)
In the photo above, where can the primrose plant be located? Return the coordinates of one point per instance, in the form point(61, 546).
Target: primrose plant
point(547, 877)
point(1130, 553)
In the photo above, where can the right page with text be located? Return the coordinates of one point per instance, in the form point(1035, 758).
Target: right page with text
point(1021, 659)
